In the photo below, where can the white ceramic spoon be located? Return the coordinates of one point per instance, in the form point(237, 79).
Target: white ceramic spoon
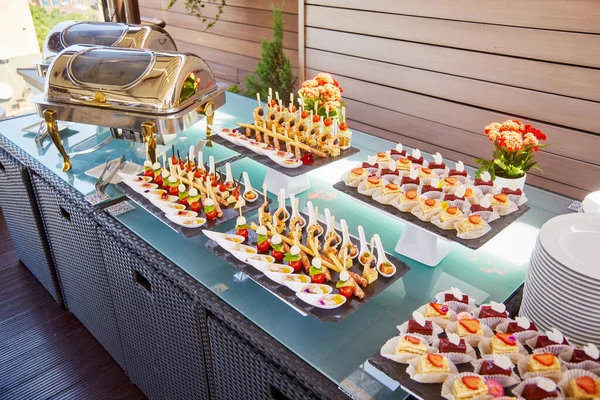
point(295, 212)
point(281, 208)
point(312, 219)
point(381, 257)
point(346, 240)
point(364, 245)
point(211, 166)
point(229, 182)
point(331, 227)
point(248, 188)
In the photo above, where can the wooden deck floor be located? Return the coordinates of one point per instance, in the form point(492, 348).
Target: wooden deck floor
point(45, 352)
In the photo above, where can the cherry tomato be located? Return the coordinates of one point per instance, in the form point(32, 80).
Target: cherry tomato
point(222, 187)
point(174, 160)
point(304, 114)
point(346, 291)
point(173, 190)
point(264, 246)
point(327, 122)
point(272, 103)
point(196, 206)
point(149, 172)
point(211, 215)
point(343, 126)
point(316, 118)
point(198, 174)
point(297, 265)
point(158, 180)
point(277, 255)
point(183, 201)
point(242, 232)
point(293, 109)
point(317, 278)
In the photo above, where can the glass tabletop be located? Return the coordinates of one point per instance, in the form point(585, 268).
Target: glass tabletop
point(338, 350)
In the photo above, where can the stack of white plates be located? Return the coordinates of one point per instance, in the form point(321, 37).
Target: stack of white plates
point(562, 288)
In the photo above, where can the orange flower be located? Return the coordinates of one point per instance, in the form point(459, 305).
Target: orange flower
point(511, 140)
point(510, 125)
point(530, 139)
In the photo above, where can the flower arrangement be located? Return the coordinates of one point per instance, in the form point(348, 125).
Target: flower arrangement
point(514, 146)
point(323, 93)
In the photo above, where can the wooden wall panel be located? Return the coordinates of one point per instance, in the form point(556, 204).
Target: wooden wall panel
point(431, 77)
point(232, 46)
point(567, 15)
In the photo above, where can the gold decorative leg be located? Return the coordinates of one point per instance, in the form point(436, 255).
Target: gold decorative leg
point(208, 110)
point(52, 127)
point(149, 139)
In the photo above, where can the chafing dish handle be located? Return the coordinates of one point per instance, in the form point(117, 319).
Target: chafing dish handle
point(208, 109)
point(52, 128)
point(149, 139)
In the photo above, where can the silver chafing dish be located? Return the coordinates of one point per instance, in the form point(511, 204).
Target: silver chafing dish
point(112, 34)
point(142, 95)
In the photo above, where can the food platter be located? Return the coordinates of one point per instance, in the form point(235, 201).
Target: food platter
point(268, 162)
point(289, 296)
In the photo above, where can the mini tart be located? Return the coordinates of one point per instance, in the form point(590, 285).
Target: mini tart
point(468, 327)
point(499, 200)
point(488, 367)
point(532, 391)
point(450, 181)
point(476, 387)
point(403, 164)
point(513, 327)
point(579, 355)
point(545, 341)
point(584, 387)
point(373, 182)
point(407, 197)
point(489, 312)
point(446, 346)
point(543, 362)
point(391, 188)
point(383, 156)
point(436, 310)
point(430, 205)
point(411, 345)
point(426, 364)
point(414, 327)
point(426, 173)
point(503, 343)
point(470, 223)
point(356, 174)
point(449, 214)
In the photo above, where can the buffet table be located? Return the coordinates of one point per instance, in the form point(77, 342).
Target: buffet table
point(184, 323)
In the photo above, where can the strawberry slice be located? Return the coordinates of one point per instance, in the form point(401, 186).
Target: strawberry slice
point(546, 359)
point(501, 197)
point(474, 219)
point(426, 170)
point(374, 180)
point(404, 161)
point(451, 180)
point(440, 308)
point(471, 325)
point(412, 339)
point(471, 382)
point(358, 171)
point(392, 186)
point(587, 384)
point(430, 202)
point(411, 194)
point(452, 210)
point(382, 154)
point(468, 192)
point(507, 338)
point(436, 360)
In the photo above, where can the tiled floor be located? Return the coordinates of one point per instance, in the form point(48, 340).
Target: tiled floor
point(45, 352)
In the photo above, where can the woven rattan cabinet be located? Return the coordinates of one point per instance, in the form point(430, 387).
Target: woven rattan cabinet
point(24, 223)
point(75, 247)
point(163, 345)
point(241, 372)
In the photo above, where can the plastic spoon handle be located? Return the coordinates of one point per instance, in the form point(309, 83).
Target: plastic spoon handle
point(345, 233)
point(191, 153)
point(282, 198)
point(211, 165)
point(246, 179)
point(200, 160)
point(229, 175)
point(311, 213)
point(364, 247)
point(329, 221)
point(380, 251)
point(293, 202)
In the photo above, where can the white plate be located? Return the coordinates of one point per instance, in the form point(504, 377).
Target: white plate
point(556, 266)
point(130, 168)
point(566, 285)
point(313, 300)
point(569, 281)
point(571, 239)
point(194, 222)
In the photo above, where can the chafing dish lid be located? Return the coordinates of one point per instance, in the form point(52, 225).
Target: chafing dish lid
point(129, 79)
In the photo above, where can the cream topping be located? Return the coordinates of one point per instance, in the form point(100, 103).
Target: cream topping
point(546, 384)
point(419, 318)
point(456, 293)
point(555, 335)
point(437, 157)
point(523, 322)
point(592, 351)
point(460, 167)
point(498, 307)
point(502, 361)
point(453, 338)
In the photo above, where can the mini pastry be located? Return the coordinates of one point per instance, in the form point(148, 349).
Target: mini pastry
point(516, 192)
point(479, 208)
point(468, 387)
point(429, 188)
point(406, 180)
point(434, 165)
point(429, 206)
point(391, 188)
point(411, 345)
point(456, 295)
point(452, 345)
point(433, 364)
point(504, 343)
point(408, 200)
point(588, 353)
point(416, 160)
point(403, 164)
point(387, 171)
point(464, 315)
point(541, 390)
point(395, 152)
point(543, 362)
point(467, 327)
point(481, 182)
point(494, 310)
point(551, 338)
point(500, 200)
point(450, 182)
point(452, 197)
point(435, 310)
point(373, 181)
point(357, 174)
point(497, 366)
point(454, 172)
point(426, 173)
point(373, 166)
point(383, 156)
point(584, 387)
point(415, 327)
point(449, 214)
point(521, 324)
point(470, 223)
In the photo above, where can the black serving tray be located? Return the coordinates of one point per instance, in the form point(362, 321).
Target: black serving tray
point(497, 225)
point(289, 296)
point(229, 213)
point(267, 162)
